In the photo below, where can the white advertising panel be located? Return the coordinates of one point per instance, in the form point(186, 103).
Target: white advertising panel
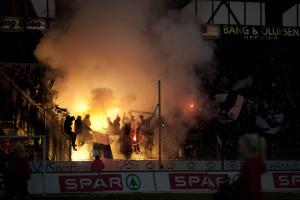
point(191, 181)
point(100, 182)
point(167, 181)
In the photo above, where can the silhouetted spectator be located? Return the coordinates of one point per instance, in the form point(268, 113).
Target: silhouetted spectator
point(86, 128)
point(78, 125)
point(126, 141)
point(117, 125)
point(252, 151)
point(97, 165)
point(110, 125)
point(68, 130)
point(17, 174)
point(78, 128)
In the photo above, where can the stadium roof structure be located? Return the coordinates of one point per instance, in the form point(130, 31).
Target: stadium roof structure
point(282, 2)
point(273, 9)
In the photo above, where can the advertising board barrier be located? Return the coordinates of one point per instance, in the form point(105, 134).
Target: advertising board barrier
point(286, 180)
point(155, 181)
point(169, 165)
point(93, 182)
point(190, 181)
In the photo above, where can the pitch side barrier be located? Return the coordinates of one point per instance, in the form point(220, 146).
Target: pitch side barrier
point(144, 176)
point(152, 165)
point(154, 181)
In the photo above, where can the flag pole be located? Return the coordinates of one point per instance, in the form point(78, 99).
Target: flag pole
point(159, 124)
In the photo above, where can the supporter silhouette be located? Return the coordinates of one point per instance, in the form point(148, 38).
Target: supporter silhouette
point(97, 165)
point(117, 125)
point(110, 125)
point(78, 125)
point(17, 174)
point(68, 129)
point(252, 152)
point(86, 128)
point(126, 140)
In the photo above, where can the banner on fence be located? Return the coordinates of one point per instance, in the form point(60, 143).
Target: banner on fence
point(201, 181)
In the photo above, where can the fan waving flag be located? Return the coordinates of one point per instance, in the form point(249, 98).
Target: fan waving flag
point(101, 145)
point(100, 138)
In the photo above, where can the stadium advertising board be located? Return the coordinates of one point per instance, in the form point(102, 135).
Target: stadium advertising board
point(192, 181)
point(248, 32)
point(19, 24)
point(280, 165)
point(196, 180)
point(90, 183)
point(283, 165)
point(100, 182)
point(150, 165)
point(201, 181)
point(286, 180)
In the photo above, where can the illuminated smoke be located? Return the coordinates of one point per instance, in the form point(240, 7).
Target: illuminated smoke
point(112, 53)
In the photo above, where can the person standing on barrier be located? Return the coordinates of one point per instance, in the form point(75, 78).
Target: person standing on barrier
point(85, 130)
point(68, 130)
point(78, 126)
point(97, 165)
point(252, 152)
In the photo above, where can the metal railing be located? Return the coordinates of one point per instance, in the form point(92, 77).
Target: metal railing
point(34, 119)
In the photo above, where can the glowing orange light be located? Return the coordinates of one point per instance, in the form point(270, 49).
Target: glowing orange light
point(82, 153)
point(81, 108)
point(98, 122)
point(134, 138)
point(116, 110)
point(192, 105)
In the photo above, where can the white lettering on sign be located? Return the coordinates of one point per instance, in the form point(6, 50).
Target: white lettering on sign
point(85, 182)
point(196, 180)
point(286, 180)
point(90, 183)
point(115, 181)
point(71, 183)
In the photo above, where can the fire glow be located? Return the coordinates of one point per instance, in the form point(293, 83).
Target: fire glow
point(82, 154)
point(108, 60)
point(98, 119)
point(98, 123)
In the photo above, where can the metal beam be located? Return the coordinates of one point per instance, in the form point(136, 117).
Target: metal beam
point(230, 12)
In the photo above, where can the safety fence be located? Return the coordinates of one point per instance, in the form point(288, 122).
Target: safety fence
point(198, 181)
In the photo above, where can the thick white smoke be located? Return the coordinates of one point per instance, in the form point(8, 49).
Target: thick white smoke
point(114, 52)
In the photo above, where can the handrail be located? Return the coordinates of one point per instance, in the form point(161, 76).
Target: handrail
point(47, 118)
point(26, 96)
point(30, 100)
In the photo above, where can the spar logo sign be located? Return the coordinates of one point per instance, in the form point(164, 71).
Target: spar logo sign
point(91, 183)
point(287, 180)
point(196, 180)
point(133, 182)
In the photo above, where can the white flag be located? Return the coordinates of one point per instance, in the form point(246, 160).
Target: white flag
point(100, 138)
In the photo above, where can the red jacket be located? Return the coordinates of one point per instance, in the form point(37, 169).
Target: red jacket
point(97, 165)
point(249, 181)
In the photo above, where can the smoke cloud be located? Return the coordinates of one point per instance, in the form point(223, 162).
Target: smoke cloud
point(112, 53)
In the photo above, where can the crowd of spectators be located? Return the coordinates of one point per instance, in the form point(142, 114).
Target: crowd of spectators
point(254, 90)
